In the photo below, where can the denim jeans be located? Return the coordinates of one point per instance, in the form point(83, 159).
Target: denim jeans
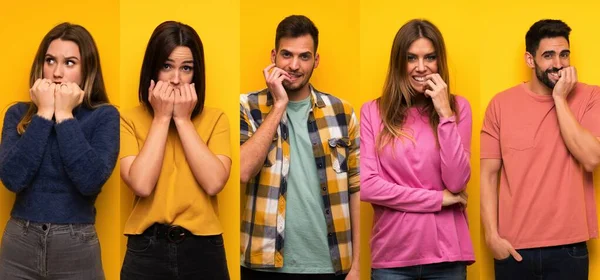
point(50, 251)
point(196, 257)
point(548, 263)
point(437, 271)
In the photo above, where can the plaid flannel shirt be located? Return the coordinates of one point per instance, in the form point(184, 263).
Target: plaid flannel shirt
point(334, 132)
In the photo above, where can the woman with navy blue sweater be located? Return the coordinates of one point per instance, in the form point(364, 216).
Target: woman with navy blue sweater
point(57, 151)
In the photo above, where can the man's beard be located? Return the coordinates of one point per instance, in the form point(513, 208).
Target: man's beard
point(543, 77)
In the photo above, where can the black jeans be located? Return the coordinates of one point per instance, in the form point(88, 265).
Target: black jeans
point(250, 274)
point(548, 263)
point(150, 256)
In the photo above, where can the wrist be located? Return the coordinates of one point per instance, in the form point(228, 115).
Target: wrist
point(181, 120)
point(492, 236)
point(61, 116)
point(445, 113)
point(559, 99)
point(280, 104)
point(45, 113)
point(160, 119)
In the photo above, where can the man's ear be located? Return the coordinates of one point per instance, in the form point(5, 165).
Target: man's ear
point(273, 55)
point(529, 60)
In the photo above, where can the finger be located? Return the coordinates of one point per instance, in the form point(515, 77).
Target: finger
point(81, 94)
point(462, 201)
point(186, 92)
point(36, 84)
point(52, 87)
point(428, 93)
point(267, 69)
point(168, 93)
point(514, 253)
point(431, 84)
point(275, 73)
point(439, 81)
point(193, 93)
point(162, 87)
point(151, 88)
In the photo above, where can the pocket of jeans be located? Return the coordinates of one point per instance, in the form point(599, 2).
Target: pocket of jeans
point(13, 228)
point(577, 252)
point(216, 240)
point(138, 243)
point(338, 148)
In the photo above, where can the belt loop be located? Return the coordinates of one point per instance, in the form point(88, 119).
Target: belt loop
point(26, 227)
point(72, 230)
point(155, 230)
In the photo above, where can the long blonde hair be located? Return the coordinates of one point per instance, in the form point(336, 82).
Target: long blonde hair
point(93, 82)
point(398, 94)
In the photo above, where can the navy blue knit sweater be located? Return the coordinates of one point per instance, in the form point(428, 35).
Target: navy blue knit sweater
point(57, 170)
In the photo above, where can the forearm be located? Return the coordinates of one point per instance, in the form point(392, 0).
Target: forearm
point(208, 170)
point(489, 204)
point(454, 157)
point(254, 151)
point(355, 220)
point(145, 169)
point(89, 163)
point(21, 156)
point(584, 146)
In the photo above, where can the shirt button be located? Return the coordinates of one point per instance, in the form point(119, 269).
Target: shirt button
point(320, 165)
point(324, 189)
point(44, 227)
point(327, 211)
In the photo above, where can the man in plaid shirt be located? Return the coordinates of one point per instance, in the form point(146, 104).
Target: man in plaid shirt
point(299, 162)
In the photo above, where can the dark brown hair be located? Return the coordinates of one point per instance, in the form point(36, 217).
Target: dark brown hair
point(295, 26)
point(165, 38)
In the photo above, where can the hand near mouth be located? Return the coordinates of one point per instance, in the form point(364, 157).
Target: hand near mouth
point(438, 92)
point(42, 95)
point(566, 82)
point(274, 78)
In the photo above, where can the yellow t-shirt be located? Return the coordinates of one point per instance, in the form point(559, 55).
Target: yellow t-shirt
point(178, 199)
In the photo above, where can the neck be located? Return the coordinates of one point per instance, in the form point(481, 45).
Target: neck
point(419, 99)
point(538, 87)
point(300, 94)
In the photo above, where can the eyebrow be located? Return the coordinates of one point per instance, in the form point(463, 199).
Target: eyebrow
point(68, 57)
point(187, 61)
point(306, 52)
point(427, 54)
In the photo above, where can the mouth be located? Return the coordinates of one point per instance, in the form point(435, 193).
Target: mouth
point(419, 79)
point(295, 76)
point(554, 75)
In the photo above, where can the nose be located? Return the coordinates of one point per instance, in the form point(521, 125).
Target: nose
point(556, 63)
point(421, 66)
point(58, 72)
point(295, 64)
point(175, 79)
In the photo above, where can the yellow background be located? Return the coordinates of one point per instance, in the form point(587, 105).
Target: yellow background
point(217, 23)
point(22, 27)
point(504, 26)
point(379, 22)
point(485, 44)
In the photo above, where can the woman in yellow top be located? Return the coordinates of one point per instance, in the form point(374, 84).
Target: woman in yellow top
point(175, 157)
